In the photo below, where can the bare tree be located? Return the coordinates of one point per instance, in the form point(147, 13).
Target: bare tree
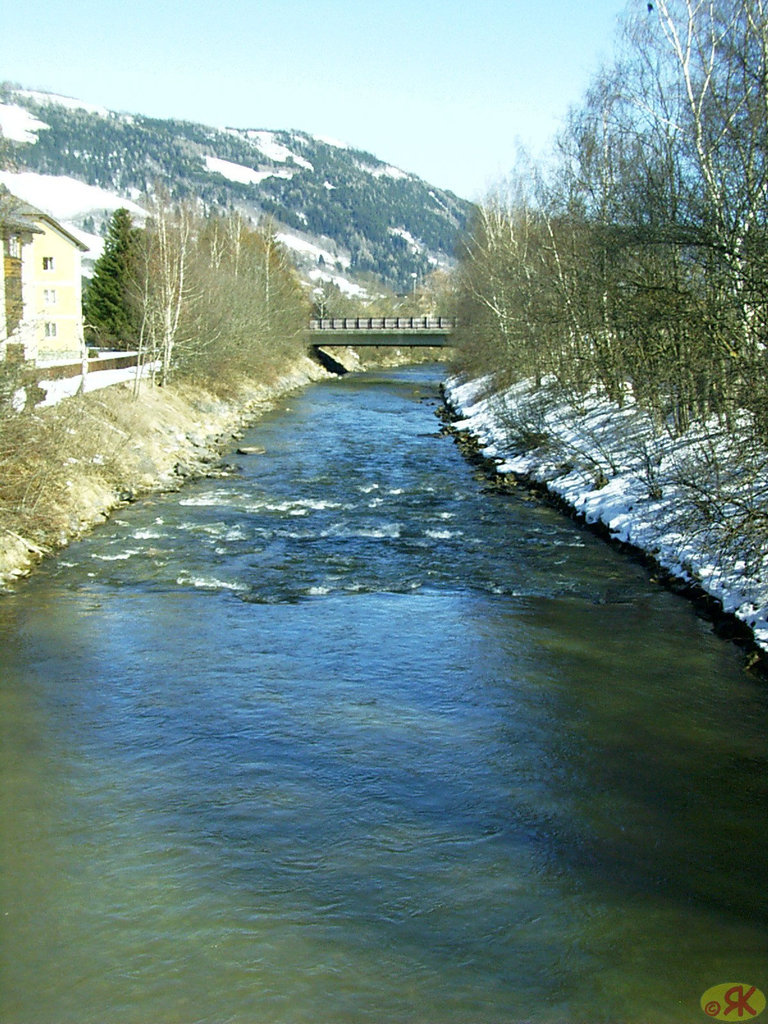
point(168, 243)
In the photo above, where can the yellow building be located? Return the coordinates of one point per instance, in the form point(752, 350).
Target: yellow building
point(41, 315)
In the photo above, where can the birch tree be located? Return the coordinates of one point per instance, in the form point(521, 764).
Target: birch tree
point(714, 60)
point(168, 243)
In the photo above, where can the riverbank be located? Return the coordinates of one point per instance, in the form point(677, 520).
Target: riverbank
point(641, 489)
point(72, 464)
point(78, 461)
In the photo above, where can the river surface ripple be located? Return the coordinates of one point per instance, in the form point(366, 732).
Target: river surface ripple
point(345, 736)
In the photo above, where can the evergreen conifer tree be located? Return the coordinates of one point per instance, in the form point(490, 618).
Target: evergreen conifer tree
point(110, 309)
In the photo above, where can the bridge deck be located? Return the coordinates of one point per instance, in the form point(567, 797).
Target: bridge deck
point(412, 331)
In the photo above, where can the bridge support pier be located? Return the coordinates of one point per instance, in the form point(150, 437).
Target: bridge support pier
point(327, 361)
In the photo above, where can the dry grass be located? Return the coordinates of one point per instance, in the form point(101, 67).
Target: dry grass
point(62, 469)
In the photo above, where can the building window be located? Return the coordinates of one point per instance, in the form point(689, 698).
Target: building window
point(47, 262)
point(49, 296)
point(14, 247)
point(50, 329)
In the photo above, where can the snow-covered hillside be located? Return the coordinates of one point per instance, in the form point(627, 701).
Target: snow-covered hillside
point(341, 211)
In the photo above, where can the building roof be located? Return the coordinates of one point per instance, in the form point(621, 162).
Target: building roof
point(12, 214)
point(18, 215)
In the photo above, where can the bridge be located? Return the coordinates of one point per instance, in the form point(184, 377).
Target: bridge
point(399, 331)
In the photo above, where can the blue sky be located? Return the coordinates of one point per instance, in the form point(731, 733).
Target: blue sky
point(443, 89)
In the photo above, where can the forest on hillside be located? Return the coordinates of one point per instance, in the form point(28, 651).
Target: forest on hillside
point(343, 195)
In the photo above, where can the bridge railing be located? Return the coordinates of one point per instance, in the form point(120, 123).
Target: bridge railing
point(383, 323)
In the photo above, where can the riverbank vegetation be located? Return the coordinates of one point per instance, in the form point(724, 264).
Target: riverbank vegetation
point(632, 268)
point(201, 296)
point(218, 316)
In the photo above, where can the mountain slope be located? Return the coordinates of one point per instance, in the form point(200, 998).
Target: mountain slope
point(341, 210)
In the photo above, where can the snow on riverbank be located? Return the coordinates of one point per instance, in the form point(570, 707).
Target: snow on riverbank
point(57, 390)
point(684, 501)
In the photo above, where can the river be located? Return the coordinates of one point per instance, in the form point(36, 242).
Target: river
point(344, 735)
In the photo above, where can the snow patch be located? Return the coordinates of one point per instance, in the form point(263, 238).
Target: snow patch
point(310, 249)
point(342, 283)
point(57, 390)
point(242, 174)
point(65, 198)
point(69, 102)
point(391, 172)
point(407, 237)
point(95, 245)
point(439, 201)
point(384, 171)
point(274, 150)
point(18, 125)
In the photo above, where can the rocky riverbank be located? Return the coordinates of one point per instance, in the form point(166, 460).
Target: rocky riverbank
point(98, 451)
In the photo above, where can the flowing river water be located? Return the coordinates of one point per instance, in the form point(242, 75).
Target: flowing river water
point(345, 735)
